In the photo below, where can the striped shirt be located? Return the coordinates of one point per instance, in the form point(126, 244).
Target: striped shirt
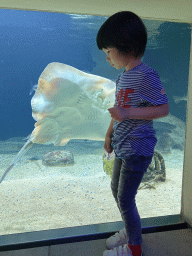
point(138, 87)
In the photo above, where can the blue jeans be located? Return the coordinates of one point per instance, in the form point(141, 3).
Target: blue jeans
point(126, 178)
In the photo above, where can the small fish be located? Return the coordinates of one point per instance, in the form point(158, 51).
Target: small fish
point(34, 160)
point(177, 99)
point(33, 88)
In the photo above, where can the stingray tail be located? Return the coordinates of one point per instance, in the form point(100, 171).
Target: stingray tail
point(23, 150)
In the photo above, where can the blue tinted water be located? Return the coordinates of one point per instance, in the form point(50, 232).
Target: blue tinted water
point(29, 42)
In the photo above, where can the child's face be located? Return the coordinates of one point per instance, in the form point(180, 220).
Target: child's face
point(117, 59)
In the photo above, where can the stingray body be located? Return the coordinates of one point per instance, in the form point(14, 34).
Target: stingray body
point(68, 104)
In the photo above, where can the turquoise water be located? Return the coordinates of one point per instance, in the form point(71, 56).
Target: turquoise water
point(37, 197)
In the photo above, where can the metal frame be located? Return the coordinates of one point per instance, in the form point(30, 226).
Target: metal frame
point(85, 233)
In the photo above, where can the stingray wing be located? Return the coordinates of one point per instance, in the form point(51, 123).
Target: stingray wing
point(70, 104)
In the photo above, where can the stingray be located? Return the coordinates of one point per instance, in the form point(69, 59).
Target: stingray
point(163, 127)
point(68, 104)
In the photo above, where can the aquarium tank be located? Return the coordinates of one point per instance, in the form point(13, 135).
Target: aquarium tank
point(57, 185)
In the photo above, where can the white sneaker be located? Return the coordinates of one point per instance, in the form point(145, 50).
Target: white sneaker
point(118, 251)
point(119, 238)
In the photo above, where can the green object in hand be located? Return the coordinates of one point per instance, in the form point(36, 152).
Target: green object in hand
point(108, 160)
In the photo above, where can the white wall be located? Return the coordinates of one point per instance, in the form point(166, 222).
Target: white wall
point(178, 10)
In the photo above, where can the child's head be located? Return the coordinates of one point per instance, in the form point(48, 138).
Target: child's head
point(125, 31)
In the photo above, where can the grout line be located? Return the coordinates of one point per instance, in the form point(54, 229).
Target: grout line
point(49, 250)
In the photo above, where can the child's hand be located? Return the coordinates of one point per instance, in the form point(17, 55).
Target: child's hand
point(107, 145)
point(119, 113)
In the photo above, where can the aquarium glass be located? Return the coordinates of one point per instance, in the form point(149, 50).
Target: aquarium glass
point(35, 196)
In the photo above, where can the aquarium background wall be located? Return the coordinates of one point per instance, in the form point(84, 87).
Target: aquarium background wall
point(29, 42)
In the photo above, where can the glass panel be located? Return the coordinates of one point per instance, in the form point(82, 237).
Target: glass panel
point(39, 197)
point(168, 52)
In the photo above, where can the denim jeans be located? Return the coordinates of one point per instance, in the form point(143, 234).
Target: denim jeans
point(126, 178)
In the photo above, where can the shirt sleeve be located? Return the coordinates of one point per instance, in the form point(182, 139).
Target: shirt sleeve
point(151, 91)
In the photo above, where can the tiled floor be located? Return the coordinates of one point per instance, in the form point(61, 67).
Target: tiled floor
point(171, 243)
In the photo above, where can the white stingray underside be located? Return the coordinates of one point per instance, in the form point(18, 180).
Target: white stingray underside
point(70, 104)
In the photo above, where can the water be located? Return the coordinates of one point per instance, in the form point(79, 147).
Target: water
point(34, 198)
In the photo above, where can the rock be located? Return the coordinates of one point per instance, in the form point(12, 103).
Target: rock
point(156, 170)
point(165, 143)
point(170, 133)
point(58, 158)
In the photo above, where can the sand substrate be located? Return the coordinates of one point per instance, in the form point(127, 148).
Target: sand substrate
point(35, 197)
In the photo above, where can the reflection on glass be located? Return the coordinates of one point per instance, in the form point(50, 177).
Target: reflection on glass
point(40, 193)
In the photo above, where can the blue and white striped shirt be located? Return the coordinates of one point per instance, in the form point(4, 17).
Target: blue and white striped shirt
point(138, 87)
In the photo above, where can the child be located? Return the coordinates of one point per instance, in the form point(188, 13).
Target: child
point(140, 98)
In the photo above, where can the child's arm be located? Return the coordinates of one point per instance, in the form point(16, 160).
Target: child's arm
point(107, 144)
point(146, 113)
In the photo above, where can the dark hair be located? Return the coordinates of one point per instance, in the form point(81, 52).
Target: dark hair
point(124, 31)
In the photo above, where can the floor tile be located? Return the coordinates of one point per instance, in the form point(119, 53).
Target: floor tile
point(39, 251)
point(87, 248)
point(176, 243)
